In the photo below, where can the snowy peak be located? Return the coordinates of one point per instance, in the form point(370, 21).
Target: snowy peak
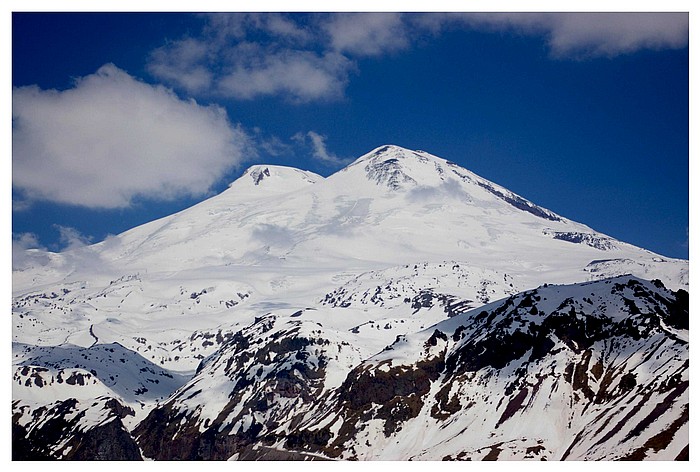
point(387, 151)
point(275, 179)
point(259, 173)
point(399, 168)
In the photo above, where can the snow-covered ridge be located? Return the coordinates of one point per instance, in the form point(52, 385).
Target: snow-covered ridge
point(559, 372)
point(275, 178)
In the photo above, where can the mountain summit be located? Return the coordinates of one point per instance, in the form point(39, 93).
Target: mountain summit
point(391, 206)
point(399, 168)
point(274, 179)
point(401, 308)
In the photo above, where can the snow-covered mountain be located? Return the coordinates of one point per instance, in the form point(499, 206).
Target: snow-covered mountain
point(254, 324)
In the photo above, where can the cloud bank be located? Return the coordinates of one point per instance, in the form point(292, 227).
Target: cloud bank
point(311, 57)
point(113, 138)
point(590, 35)
point(248, 55)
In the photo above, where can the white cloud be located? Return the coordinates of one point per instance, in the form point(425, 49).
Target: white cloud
point(22, 258)
point(19, 204)
point(610, 34)
point(247, 55)
point(299, 57)
point(183, 62)
point(71, 238)
point(112, 138)
point(272, 146)
point(580, 35)
point(280, 26)
point(301, 76)
point(319, 150)
point(367, 34)
point(224, 26)
point(26, 241)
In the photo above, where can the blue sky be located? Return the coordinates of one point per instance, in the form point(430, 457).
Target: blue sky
point(119, 119)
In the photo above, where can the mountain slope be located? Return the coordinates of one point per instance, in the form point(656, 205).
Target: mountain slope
point(226, 329)
point(390, 207)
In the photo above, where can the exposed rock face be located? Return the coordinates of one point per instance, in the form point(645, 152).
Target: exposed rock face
point(62, 432)
point(590, 371)
point(267, 376)
point(110, 442)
